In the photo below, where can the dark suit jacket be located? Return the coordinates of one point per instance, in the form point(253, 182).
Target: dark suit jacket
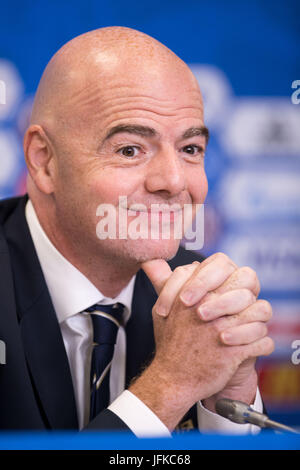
point(36, 389)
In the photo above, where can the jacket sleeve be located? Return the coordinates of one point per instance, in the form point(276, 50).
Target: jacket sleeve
point(106, 421)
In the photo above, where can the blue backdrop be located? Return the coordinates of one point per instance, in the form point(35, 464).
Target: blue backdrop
point(246, 56)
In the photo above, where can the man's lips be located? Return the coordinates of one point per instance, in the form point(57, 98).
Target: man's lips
point(152, 212)
point(156, 209)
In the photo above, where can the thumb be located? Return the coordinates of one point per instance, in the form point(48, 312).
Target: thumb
point(158, 271)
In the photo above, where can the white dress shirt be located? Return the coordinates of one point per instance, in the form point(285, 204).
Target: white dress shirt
point(71, 293)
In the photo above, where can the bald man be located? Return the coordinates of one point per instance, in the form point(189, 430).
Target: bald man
point(117, 114)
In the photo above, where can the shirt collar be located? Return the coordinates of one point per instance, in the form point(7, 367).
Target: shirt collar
point(71, 292)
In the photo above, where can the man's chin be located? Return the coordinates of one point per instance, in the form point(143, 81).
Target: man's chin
point(150, 250)
point(130, 254)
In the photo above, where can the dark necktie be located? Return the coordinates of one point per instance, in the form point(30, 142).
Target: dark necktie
point(106, 321)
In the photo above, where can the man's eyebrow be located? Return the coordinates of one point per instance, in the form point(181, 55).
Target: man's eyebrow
point(144, 131)
point(194, 131)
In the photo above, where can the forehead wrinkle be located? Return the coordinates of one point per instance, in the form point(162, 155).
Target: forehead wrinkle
point(135, 97)
point(120, 110)
point(115, 104)
point(84, 101)
point(119, 106)
point(93, 100)
point(146, 85)
point(134, 112)
point(97, 107)
point(93, 92)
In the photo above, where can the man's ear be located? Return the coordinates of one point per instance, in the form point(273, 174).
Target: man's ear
point(39, 157)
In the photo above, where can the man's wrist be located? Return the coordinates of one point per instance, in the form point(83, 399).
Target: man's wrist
point(245, 393)
point(165, 399)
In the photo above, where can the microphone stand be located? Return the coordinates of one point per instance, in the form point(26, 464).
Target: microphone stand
point(241, 413)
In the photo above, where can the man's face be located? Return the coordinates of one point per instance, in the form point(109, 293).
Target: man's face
point(135, 137)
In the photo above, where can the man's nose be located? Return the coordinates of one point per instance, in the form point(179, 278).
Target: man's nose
point(165, 172)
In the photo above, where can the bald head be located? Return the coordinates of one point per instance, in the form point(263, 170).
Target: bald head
point(91, 62)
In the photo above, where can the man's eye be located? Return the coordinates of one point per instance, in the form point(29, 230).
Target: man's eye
point(128, 151)
point(192, 149)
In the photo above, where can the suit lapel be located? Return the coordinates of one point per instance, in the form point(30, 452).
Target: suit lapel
point(41, 335)
point(139, 329)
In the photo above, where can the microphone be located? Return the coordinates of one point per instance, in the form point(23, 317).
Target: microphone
point(241, 413)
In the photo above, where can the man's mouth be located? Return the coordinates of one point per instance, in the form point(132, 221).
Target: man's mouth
point(161, 209)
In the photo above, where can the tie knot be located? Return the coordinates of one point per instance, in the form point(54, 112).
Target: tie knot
point(106, 321)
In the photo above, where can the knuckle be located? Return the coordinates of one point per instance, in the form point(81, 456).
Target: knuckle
point(266, 308)
point(225, 262)
point(185, 268)
point(248, 296)
point(269, 345)
point(266, 346)
point(250, 275)
point(249, 272)
point(223, 257)
point(263, 329)
point(198, 279)
point(196, 263)
point(179, 269)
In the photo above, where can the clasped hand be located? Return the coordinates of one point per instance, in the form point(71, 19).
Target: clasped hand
point(209, 329)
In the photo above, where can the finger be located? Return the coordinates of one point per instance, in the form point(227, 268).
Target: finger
point(158, 271)
point(261, 311)
point(229, 303)
point(261, 347)
point(244, 334)
point(211, 258)
point(172, 287)
point(207, 278)
point(242, 278)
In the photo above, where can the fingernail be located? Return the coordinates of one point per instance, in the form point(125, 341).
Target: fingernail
point(187, 297)
point(161, 311)
point(204, 312)
point(226, 337)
